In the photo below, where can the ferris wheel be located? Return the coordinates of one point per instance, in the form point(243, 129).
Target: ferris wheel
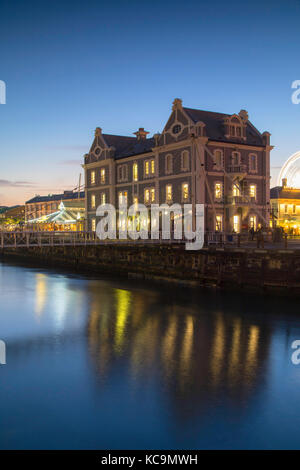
point(291, 171)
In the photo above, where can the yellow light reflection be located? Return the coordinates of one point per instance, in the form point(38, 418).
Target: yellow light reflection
point(122, 311)
point(40, 293)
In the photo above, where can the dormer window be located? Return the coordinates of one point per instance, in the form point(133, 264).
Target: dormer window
point(236, 131)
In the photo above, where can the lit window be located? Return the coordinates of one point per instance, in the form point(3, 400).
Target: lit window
point(152, 167)
point(135, 172)
point(235, 190)
point(94, 225)
point(103, 198)
point(122, 197)
point(169, 194)
point(93, 201)
point(169, 164)
point(236, 223)
point(185, 191)
point(218, 190)
point(252, 221)
point(152, 194)
point(185, 160)
point(147, 168)
point(93, 177)
point(102, 175)
point(252, 190)
point(135, 200)
point(147, 195)
point(219, 223)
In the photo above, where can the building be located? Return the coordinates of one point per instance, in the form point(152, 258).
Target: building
point(12, 215)
point(45, 205)
point(70, 216)
point(219, 160)
point(285, 208)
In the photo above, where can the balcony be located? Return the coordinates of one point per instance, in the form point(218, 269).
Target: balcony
point(240, 200)
point(237, 169)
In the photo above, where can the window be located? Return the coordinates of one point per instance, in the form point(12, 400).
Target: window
point(236, 190)
point(219, 223)
point(149, 195)
point(252, 221)
point(152, 167)
point(218, 159)
point(103, 198)
point(185, 191)
point(252, 190)
point(236, 223)
point(169, 164)
point(93, 201)
point(122, 197)
point(235, 158)
point(253, 163)
point(169, 194)
point(135, 173)
point(135, 200)
point(122, 173)
point(236, 131)
point(93, 225)
point(93, 177)
point(102, 173)
point(185, 164)
point(147, 168)
point(218, 191)
point(176, 129)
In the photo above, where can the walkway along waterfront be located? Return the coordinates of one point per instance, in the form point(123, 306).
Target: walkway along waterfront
point(273, 268)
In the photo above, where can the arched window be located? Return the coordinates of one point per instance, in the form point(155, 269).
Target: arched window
point(185, 161)
point(218, 154)
point(169, 164)
point(235, 158)
point(252, 162)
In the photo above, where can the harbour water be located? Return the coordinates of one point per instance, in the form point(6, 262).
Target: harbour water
point(113, 364)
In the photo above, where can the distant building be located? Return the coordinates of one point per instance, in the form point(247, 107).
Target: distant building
point(45, 205)
point(15, 213)
point(285, 208)
point(68, 217)
point(219, 160)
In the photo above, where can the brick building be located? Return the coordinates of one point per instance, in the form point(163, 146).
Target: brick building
point(219, 160)
point(46, 205)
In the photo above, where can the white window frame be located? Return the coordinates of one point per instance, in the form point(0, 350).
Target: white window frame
point(218, 199)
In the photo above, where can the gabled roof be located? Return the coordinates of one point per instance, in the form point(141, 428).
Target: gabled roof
point(215, 127)
point(137, 147)
point(280, 192)
point(120, 142)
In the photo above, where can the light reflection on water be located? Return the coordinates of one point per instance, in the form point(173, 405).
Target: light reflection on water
point(103, 364)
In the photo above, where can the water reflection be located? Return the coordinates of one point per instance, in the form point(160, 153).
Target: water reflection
point(192, 350)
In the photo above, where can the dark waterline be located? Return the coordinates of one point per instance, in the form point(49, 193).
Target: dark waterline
point(102, 364)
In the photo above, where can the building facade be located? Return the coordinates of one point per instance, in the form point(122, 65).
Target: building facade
point(201, 157)
point(45, 205)
point(285, 208)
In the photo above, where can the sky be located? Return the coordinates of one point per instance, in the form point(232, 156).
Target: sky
point(70, 67)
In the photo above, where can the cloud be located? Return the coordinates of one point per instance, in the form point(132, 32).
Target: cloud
point(16, 184)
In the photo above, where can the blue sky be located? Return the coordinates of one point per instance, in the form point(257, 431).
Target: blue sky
point(72, 66)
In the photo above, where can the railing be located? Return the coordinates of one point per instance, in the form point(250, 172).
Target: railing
point(237, 169)
point(48, 239)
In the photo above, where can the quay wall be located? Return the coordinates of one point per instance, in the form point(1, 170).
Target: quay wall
point(261, 270)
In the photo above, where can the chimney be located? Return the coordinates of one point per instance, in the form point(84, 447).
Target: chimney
point(284, 182)
point(141, 134)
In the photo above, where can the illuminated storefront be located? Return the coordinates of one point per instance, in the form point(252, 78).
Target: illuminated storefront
point(285, 208)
